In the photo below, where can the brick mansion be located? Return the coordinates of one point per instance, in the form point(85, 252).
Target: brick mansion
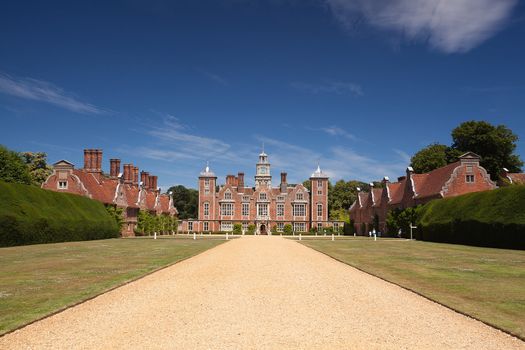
point(265, 206)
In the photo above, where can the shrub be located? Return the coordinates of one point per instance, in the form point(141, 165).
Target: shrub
point(30, 215)
point(287, 229)
point(492, 219)
point(237, 229)
point(251, 229)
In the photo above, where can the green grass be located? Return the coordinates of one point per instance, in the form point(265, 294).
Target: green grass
point(486, 283)
point(40, 279)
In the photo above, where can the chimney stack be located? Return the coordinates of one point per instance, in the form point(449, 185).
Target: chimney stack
point(153, 182)
point(135, 175)
point(114, 167)
point(283, 182)
point(386, 180)
point(144, 178)
point(230, 180)
point(99, 161)
point(127, 173)
point(86, 159)
point(240, 181)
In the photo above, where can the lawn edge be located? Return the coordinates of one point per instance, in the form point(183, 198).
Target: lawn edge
point(420, 294)
point(82, 301)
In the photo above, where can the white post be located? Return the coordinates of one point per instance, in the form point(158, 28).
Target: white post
point(226, 235)
point(375, 237)
point(300, 237)
point(194, 236)
point(333, 237)
point(155, 235)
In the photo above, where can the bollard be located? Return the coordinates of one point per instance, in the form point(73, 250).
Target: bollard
point(354, 234)
point(155, 235)
point(375, 237)
point(194, 236)
point(300, 237)
point(333, 238)
point(226, 235)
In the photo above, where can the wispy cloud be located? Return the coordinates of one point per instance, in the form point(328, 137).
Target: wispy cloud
point(330, 87)
point(404, 156)
point(38, 90)
point(337, 131)
point(215, 77)
point(450, 26)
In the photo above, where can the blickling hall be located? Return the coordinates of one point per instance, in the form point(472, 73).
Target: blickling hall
point(122, 190)
point(263, 205)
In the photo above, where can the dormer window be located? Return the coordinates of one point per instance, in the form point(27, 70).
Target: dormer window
point(62, 185)
point(262, 196)
point(227, 195)
point(299, 196)
point(469, 179)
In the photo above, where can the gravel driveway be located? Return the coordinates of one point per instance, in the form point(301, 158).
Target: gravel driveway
point(264, 293)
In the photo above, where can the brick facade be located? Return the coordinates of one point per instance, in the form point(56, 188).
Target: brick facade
point(461, 177)
point(262, 205)
point(122, 190)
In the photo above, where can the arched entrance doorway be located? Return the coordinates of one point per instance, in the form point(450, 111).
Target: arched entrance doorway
point(262, 230)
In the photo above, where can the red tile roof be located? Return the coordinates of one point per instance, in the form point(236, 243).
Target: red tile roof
point(396, 191)
point(377, 192)
point(430, 184)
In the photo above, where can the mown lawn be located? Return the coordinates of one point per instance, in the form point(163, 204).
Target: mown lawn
point(39, 279)
point(486, 283)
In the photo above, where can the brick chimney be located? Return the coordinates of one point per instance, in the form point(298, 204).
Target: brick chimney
point(87, 161)
point(283, 182)
point(135, 175)
point(128, 168)
point(240, 182)
point(153, 182)
point(386, 180)
point(114, 167)
point(230, 180)
point(144, 178)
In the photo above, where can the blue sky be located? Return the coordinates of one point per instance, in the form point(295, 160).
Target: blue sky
point(357, 85)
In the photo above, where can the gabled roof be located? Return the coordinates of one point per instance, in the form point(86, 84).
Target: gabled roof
point(377, 196)
point(430, 184)
point(517, 178)
point(396, 191)
point(63, 161)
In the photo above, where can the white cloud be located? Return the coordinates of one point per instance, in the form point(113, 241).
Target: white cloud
point(38, 90)
point(331, 87)
point(215, 77)
point(337, 131)
point(448, 25)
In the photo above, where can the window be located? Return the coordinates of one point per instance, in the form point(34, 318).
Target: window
point(336, 226)
point(299, 227)
point(206, 226)
point(262, 196)
point(245, 226)
point(319, 192)
point(319, 227)
point(207, 184)
point(245, 198)
point(206, 208)
point(227, 195)
point(280, 198)
point(280, 209)
point(319, 210)
point(190, 225)
point(470, 178)
point(262, 210)
point(206, 191)
point(469, 169)
point(245, 209)
point(226, 208)
point(299, 196)
point(62, 185)
point(319, 184)
point(280, 226)
point(299, 210)
point(226, 226)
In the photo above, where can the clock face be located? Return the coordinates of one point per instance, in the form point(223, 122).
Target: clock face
point(263, 170)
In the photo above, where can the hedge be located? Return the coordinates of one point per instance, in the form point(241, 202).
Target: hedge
point(30, 215)
point(488, 219)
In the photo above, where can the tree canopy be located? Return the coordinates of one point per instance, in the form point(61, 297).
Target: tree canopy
point(13, 168)
point(37, 165)
point(494, 144)
point(186, 200)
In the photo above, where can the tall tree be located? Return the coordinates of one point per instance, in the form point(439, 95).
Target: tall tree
point(37, 164)
point(495, 145)
point(186, 200)
point(13, 168)
point(432, 157)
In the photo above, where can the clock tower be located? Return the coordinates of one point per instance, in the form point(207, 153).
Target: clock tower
point(262, 172)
